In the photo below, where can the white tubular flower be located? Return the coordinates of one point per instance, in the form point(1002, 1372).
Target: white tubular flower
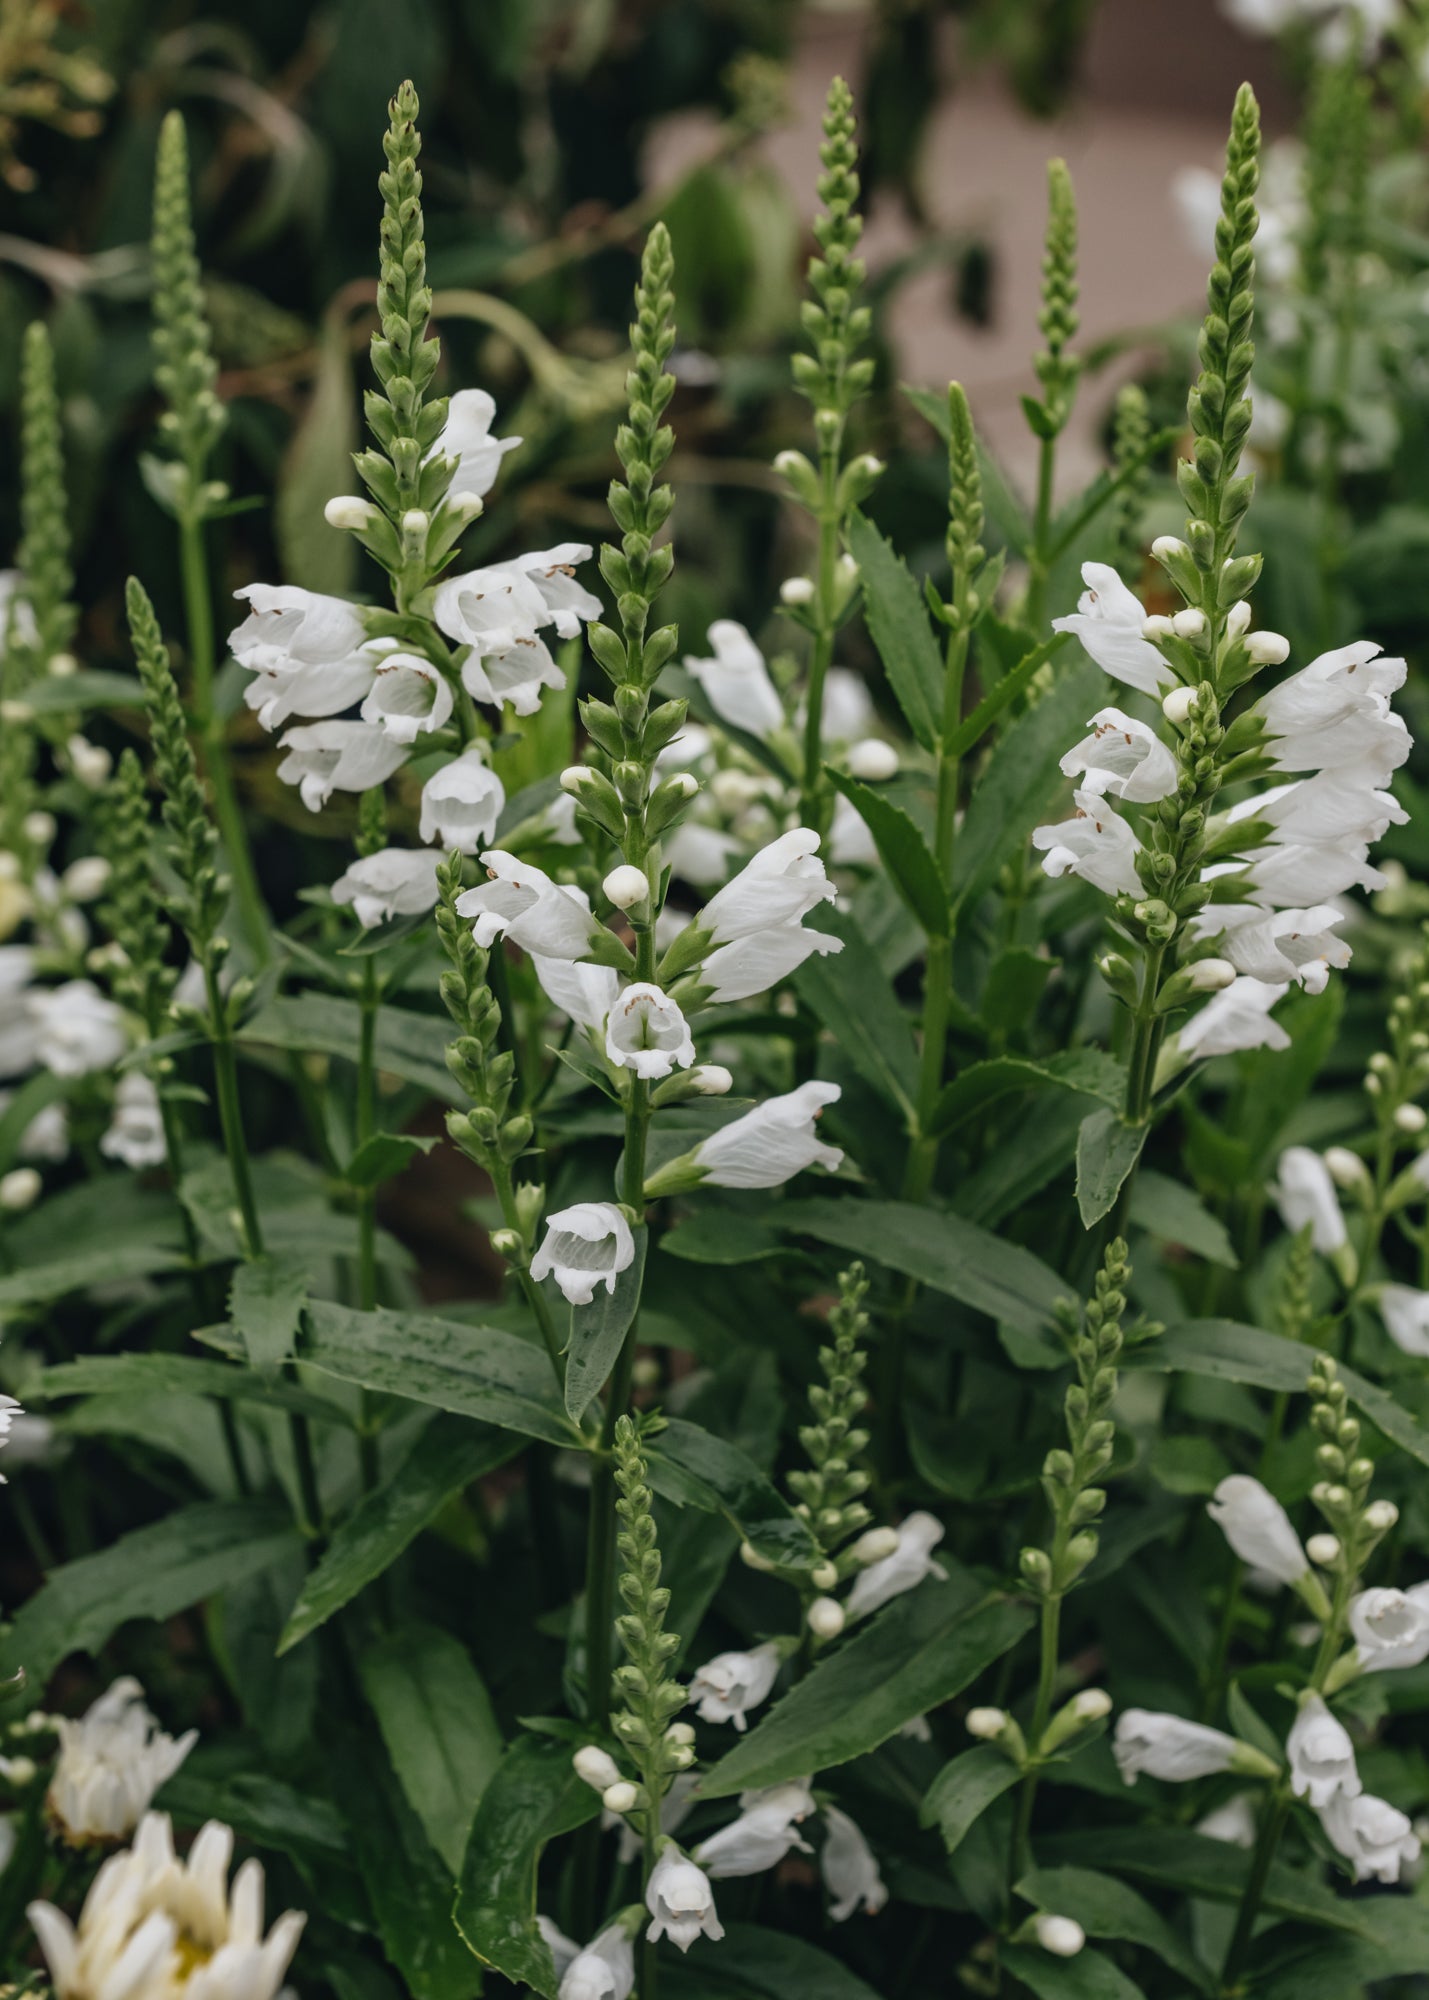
point(755, 963)
point(1374, 1836)
point(46, 1137)
point(394, 882)
point(506, 605)
point(20, 1189)
point(771, 1143)
point(307, 653)
point(605, 1970)
point(512, 676)
point(165, 1929)
point(76, 1029)
point(586, 992)
point(86, 878)
point(762, 1835)
point(1124, 758)
point(565, 602)
point(467, 438)
point(873, 760)
point(783, 882)
point(1095, 844)
point(1278, 946)
point(825, 1617)
point(1258, 1528)
point(646, 1032)
point(727, 1687)
point(10, 1412)
point(1317, 715)
point(701, 854)
point(1063, 1937)
point(1322, 1757)
point(1304, 1192)
point(409, 697)
point(679, 1899)
point(586, 1245)
point(1165, 1746)
point(462, 802)
point(1237, 1018)
point(1405, 1312)
point(1108, 621)
point(846, 711)
point(1390, 1628)
point(626, 886)
point(1234, 1822)
point(110, 1764)
point(1290, 875)
point(1334, 806)
point(737, 681)
point(597, 1767)
point(849, 1869)
point(136, 1132)
point(328, 757)
point(905, 1569)
point(525, 905)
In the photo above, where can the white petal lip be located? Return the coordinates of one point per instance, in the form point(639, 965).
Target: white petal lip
point(1258, 1528)
point(737, 681)
point(1108, 622)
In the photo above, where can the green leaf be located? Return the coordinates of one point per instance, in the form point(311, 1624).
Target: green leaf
point(1194, 1865)
point(24, 1105)
point(260, 1808)
point(386, 1153)
point(438, 1724)
point(448, 1455)
point(853, 997)
point(1019, 787)
point(1166, 1209)
point(915, 1654)
point(688, 1463)
point(752, 1963)
point(598, 1331)
point(265, 1304)
point(136, 1375)
point(721, 1233)
point(1106, 1908)
point(964, 1789)
point(902, 850)
point(410, 1045)
point(100, 1231)
point(1107, 1151)
point(1230, 1352)
point(475, 1371)
point(1088, 1976)
point(317, 464)
point(971, 730)
point(152, 1572)
point(534, 1796)
point(1090, 1071)
point(91, 688)
point(939, 1249)
point(1077, 516)
point(899, 628)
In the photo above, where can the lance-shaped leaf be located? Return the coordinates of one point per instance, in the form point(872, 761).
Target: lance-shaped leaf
point(690, 1464)
point(902, 850)
point(265, 1303)
point(598, 1331)
point(437, 1722)
point(898, 625)
point(1108, 1149)
point(964, 1789)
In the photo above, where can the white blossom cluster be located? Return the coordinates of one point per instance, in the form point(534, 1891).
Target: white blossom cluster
point(1275, 914)
point(1306, 1191)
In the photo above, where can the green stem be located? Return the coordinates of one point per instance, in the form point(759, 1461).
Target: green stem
point(1270, 1832)
point(208, 726)
point(649, 1959)
point(1145, 1040)
point(812, 802)
point(369, 1000)
point(1051, 1634)
point(1213, 1684)
point(1039, 561)
point(230, 1116)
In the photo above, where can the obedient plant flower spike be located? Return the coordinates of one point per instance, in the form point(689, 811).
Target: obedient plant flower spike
point(1056, 370)
point(47, 577)
point(832, 379)
point(830, 1496)
point(130, 911)
point(1069, 1480)
point(1130, 438)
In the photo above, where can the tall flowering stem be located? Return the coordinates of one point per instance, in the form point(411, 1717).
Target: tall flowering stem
point(1131, 458)
point(192, 423)
point(832, 378)
point(1056, 370)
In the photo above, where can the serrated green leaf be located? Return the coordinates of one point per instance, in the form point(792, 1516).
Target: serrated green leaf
point(753, 1963)
point(136, 1375)
point(598, 1331)
point(1090, 1071)
point(265, 1304)
point(964, 1789)
point(90, 688)
point(1107, 1151)
point(902, 850)
point(1194, 1865)
point(971, 730)
point(386, 1153)
point(1175, 1214)
point(438, 1724)
point(1106, 1908)
point(690, 1464)
point(899, 628)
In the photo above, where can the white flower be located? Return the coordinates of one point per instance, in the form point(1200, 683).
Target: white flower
point(394, 882)
point(755, 963)
point(408, 697)
point(849, 1869)
point(1374, 1836)
point(10, 1413)
point(90, 762)
point(1123, 757)
point(328, 757)
point(727, 1687)
point(873, 760)
point(462, 802)
point(1165, 1746)
point(467, 438)
point(1405, 1312)
point(566, 603)
point(1390, 1628)
point(1304, 1192)
point(1063, 1937)
point(646, 1032)
point(584, 991)
point(675, 1808)
point(46, 1137)
point(156, 1928)
point(761, 1836)
point(701, 854)
point(1108, 621)
point(1318, 717)
point(1335, 806)
point(783, 882)
point(846, 712)
point(504, 606)
point(1258, 1528)
point(86, 878)
point(904, 1569)
point(20, 1189)
point(597, 1767)
point(1289, 874)
point(17, 618)
point(110, 1764)
point(1095, 844)
point(76, 1029)
point(771, 1143)
point(1278, 946)
point(825, 1618)
point(525, 905)
point(1237, 1018)
point(586, 1245)
point(626, 886)
point(737, 681)
point(605, 1970)
point(1234, 1822)
point(136, 1132)
point(680, 1901)
point(308, 653)
point(513, 675)
point(1322, 1757)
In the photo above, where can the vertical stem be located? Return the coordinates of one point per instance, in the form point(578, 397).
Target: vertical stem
point(649, 1961)
point(369, 999)
point(198, 616)
point(1038, 562)
point(1041, 1715)
point(812, 802)
point(1270, 1832)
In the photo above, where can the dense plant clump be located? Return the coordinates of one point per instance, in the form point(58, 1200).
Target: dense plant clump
point(924, 1495)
